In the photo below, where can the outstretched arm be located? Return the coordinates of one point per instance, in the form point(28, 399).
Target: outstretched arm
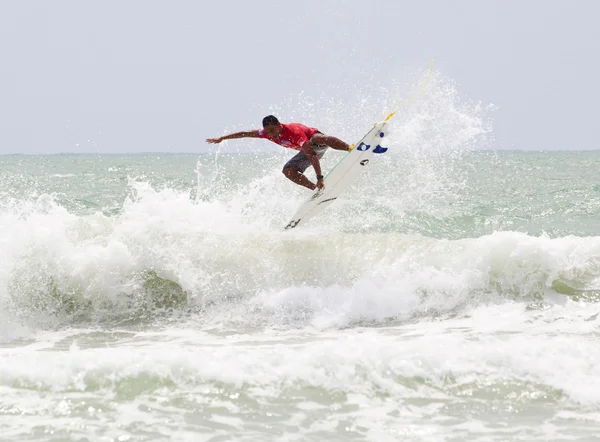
point(245, 134)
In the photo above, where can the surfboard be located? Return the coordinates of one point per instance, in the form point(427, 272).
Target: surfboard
point(342, 175)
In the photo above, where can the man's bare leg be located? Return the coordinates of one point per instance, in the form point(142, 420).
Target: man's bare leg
point(333, 142)
point(298, 178)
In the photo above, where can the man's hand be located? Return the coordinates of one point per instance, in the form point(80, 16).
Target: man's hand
point(320, 183)
point(214, 140)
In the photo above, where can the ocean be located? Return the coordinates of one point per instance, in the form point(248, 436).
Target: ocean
point(450, 294)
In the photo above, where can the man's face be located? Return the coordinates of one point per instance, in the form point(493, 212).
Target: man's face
point(273, 130)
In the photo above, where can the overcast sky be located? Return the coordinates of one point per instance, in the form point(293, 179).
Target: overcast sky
point(147, 75)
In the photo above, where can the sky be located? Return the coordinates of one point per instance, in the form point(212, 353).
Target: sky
point(162, 76)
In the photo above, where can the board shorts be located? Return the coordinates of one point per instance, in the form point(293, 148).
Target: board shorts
point(300, 161)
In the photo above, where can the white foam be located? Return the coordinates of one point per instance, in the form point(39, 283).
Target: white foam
point(496, 344)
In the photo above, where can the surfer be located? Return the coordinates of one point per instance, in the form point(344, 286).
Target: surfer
point(311, 143)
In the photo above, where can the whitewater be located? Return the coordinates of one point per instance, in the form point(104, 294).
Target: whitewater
point(450, 294)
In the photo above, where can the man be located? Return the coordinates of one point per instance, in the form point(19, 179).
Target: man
point(311, 143)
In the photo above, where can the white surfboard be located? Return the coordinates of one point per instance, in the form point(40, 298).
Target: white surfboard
point(342, 175)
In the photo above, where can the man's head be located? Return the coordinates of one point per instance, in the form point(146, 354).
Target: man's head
point(272, 126)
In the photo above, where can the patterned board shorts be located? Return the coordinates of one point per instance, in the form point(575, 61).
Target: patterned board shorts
point(300, 161)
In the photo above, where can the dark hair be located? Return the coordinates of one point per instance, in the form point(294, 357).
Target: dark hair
point(270, 120)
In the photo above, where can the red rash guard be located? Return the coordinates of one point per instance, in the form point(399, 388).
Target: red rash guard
point(293, 135)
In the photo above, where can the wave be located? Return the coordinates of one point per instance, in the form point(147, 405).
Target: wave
point(166, 252)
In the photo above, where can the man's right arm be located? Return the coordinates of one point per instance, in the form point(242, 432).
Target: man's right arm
point(244, 134)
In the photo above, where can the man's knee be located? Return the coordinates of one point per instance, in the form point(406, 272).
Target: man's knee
point(320, 139)
point(329, 141)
